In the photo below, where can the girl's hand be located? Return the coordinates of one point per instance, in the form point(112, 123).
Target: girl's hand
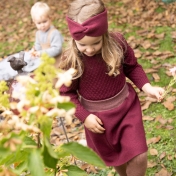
point(94, 124)
point(154, 92)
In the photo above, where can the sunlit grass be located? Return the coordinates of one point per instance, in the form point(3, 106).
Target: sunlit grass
point(168, 137)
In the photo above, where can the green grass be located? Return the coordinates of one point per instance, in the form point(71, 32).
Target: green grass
point(168, 137)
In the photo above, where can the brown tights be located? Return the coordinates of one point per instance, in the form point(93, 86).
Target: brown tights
point(135, 167)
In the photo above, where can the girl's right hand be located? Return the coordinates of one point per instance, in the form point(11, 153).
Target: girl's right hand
point(94, 124)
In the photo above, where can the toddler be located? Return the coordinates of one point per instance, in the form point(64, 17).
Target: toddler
point(48, 39)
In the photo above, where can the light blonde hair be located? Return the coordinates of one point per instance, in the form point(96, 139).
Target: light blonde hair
point(112, 52)
point(40, 9)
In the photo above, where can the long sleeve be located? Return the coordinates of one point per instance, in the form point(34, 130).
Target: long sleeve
point(95, 84)
point(71, 91)
point(55, 41)
point(132, 69)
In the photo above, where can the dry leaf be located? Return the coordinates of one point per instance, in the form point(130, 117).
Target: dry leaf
point(147, 118)
point(146, 105)
point(153, 140)
point(157, 53)
point(137, 53)
point(162, 121)
point(169, 127)
point(168, 105)
point(153, 152)
point(151, 164)
point(156, 77)
point(168, 73)
point(154, 62)
point(162, 155)
point(171, 99)
point(163, 172)
point(174, 90)
point(169, 157)
point(160, 36)
point(170, 120)
point(146, 44)
point(150, 70)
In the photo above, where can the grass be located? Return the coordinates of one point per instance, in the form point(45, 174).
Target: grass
point(168, 137)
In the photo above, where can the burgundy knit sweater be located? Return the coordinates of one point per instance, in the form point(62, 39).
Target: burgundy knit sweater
point(95, 84)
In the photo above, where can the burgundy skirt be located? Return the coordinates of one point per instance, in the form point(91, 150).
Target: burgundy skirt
point(124, 137)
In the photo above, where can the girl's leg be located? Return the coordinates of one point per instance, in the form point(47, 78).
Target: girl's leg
point(121, 170)
point(137, 166)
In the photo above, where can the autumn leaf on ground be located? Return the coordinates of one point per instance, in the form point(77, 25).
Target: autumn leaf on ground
point(169, 105)
point(171, 98)
point(163, 172)
point(169, 127)
point(151, 164)
point(138, 53)
point(153, 140)
point(156, 77)
point(150, 70)
point(163, 154)
point(146, 44)
point(147, 118)
point(162, 120)
point(146, 105)
point(153, 152)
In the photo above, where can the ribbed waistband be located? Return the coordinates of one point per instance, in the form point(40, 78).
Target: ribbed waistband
point(107, 104)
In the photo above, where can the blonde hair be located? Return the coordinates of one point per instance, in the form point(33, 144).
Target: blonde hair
point(112, 52)
point(40, 9)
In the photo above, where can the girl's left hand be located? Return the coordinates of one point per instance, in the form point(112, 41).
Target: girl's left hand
point(154, 92)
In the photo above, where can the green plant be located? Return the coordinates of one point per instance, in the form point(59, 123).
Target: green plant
point(25, 132)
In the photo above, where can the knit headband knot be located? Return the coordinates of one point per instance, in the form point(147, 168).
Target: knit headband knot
point(93, 27)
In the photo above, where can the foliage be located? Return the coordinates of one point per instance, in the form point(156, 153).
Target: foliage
point(25, 132)
point(149, 27)
point(4, 97)
point(172, 82)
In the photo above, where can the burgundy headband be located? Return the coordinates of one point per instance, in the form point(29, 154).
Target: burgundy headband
point(94, 27)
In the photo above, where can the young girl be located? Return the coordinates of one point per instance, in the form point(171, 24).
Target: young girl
point(48, 39)
point(106, 104)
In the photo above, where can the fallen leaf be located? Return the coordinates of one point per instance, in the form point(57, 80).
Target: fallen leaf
point(153, 140)
point(170, 120)
point(162, 155)
point(147, 118)
point(169, 157)
point(163, 172)
point(151, 164)
point(171, 99)
point(169, 127)
point(160, 36)
point(146, 44)
point(162, 121)
point(146, 105)
point(150, 70)
point(153, 152)
point(168, 105)
point(156, 77)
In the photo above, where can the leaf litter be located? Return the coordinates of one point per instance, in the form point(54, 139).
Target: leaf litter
point(17, 29)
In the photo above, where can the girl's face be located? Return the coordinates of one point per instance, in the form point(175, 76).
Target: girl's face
point(42, 23)
point(89, 45)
